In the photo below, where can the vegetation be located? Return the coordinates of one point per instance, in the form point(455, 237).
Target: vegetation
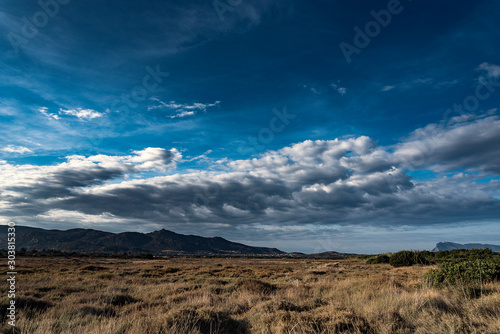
point(465, 269)
point(464, 255)
point(226, 295)
point(407, 258)
point(462, 268)
point(464, 272)
point(410, 258)
point(382, 258)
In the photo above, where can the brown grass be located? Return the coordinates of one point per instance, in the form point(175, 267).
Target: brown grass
point(186, 295)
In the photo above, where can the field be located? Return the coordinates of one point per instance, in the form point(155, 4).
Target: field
point(240, 295)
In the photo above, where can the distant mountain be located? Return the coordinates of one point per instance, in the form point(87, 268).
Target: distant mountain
point(157, 242)
point(445, 246)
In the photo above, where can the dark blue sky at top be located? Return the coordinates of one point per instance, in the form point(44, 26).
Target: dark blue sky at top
point(262, 55)
point(91, 53)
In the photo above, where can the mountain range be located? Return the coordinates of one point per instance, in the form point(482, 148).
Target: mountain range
point(445, 246)
point(157, 242)
point(162, 242)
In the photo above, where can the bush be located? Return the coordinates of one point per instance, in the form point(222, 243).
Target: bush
point(465, 273)
point(408, 258)
point(378, 259)
point(466, 254)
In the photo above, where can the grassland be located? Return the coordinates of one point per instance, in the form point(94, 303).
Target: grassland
point(227, 295)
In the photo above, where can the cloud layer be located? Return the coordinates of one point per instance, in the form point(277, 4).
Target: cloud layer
point(320, 183)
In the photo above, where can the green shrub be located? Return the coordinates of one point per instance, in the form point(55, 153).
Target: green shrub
point(378, 259)
point(408, 258)
point(465, 273)
point(466, 254)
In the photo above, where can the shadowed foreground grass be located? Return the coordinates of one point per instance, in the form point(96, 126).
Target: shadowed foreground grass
point(220, 295)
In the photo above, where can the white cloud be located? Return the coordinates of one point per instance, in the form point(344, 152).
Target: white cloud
point(407, 85)
point(183, 110)
point(149, 159)
point(341, 90)
point(470, 141)
point(16, 149)
point(183, 114)
point(313, 89)
point(411, 84)
point(67, 215)
point(44, 111)
point(8, 107)
point(320, 89)
point(57, 182)
point(492, 70)
point(81, 113)
point(233, 211)
point(154, 158)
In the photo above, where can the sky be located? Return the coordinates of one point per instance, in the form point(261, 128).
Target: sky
point(354, 126)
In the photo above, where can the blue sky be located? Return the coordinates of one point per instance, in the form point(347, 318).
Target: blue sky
point(250, 120)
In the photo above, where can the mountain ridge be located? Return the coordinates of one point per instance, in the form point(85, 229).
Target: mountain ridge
point(445, 246)
point(161, 242)
point(157, 242)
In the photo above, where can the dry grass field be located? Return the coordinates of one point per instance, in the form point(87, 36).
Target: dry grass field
point(223, 295)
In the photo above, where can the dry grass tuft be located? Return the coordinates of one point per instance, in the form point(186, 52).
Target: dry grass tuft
point(255, 286)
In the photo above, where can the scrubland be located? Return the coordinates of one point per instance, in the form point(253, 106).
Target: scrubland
point(241, 295)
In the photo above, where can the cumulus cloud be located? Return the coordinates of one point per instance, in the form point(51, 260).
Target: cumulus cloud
point(321, 183)
point(182, 110)
point(36, 188)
